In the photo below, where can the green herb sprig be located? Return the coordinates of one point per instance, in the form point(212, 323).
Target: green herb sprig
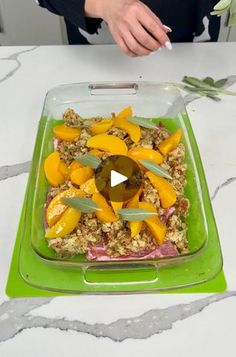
point(207, 87)
point(135, 214)
point(225, 6)
point(85, 205)
point(156, 169)
point(144, 122)
point(89, 160)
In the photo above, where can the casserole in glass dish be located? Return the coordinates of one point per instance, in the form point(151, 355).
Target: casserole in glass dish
point(161, 103)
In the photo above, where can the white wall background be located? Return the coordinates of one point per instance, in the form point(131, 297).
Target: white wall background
point(23, 22)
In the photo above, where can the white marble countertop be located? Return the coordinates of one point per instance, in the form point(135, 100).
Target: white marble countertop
point(139, 324)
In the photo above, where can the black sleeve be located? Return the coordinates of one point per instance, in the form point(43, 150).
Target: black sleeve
point(73, 11)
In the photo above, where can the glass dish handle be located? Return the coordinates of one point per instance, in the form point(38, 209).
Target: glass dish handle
point(113, 88)
point(102, 276)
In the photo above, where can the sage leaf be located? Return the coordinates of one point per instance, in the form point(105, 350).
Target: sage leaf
point(156, 169)
point(220, 83)
point(144, 122)
point(135, 214)
point(209, 80)
point(199, 90)
point(204, 88)
point(89, 160)
point(222, 5)
point(207, 87)
point(85, 205)
point(218, 12)
point(196, 82)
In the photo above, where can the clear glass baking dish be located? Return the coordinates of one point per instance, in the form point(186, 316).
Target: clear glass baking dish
point(151, 100)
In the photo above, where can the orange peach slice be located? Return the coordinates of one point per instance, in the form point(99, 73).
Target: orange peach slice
point(165, 189)
point(81, 175)
point(157, 228)
point(102, 126)
point(65, 225)
point(57, 207)
point(109, 143)
point(141, 153)
point(121, 122)
point(52, 171)
point(170, 143)
point(106, 213)
point(66, 133)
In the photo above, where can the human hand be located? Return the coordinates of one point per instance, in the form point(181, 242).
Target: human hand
point(134, 27)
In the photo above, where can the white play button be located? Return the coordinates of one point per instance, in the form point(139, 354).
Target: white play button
point(117, 178)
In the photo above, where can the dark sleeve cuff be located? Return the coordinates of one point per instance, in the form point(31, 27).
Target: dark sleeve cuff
point(73, 11)
point(91, 24)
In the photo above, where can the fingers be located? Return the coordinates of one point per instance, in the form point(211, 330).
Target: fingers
point(144, 38)
point(134, 46)
point(136, 29)
point(154, 26)
point(167, 29)
point(158, 33)
point(124, 48)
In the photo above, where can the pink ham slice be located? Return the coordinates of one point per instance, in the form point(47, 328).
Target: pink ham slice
point(56, 143)
point(167, 249)
point(168, 212)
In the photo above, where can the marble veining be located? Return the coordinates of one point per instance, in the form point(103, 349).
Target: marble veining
point(15, 317)
point(222, 185)
point(14, 57)
point(14, 170)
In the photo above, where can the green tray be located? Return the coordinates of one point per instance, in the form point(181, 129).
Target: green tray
point(31, 275)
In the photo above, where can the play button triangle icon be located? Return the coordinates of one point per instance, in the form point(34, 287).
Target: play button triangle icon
point(117, 178)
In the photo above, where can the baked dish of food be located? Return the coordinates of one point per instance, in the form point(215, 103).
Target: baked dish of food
point(80, 219)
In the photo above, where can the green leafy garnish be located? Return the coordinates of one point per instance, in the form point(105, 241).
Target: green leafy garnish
point(225, 6)
point(207, 83)
point(220, 83)
point(135, 214)
point(156, 169)
point(144, 122)
point(221, 6)
point(85, 205)
point(205, 87)
point(89, 160)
